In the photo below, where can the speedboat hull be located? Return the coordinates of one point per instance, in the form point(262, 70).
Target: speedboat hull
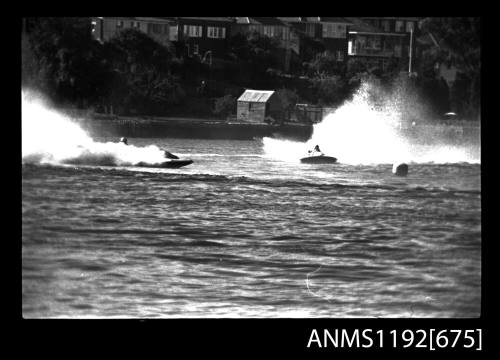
point(322, 159)
point(172, 164)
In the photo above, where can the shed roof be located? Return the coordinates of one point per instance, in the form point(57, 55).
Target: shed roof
point(256, 95)
point(339, 20)
point(260, 21)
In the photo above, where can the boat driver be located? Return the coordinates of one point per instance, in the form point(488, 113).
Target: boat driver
point(316, 151)
point(124, 140)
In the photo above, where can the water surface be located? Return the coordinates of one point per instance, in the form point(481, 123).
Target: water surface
point(241, 234)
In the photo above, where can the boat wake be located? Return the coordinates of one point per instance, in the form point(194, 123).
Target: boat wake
point(361, 132)
point(50, 137)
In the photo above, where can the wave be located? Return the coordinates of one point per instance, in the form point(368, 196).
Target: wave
point(266, 184)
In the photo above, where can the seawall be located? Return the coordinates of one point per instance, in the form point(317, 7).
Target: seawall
point(194, 128)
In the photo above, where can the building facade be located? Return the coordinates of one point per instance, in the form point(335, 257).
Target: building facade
point(382, 41)
point(377, 41)
point(330, 31)
point(163, 30)
point(205, 37)
point(333, 32)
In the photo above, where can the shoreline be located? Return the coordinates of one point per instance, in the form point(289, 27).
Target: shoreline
point(195, 128)
point(212, 128)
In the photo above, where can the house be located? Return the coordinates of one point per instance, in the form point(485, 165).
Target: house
point(162, 30)
point(256, 106)
point(394, 24)
point(272, 27)
point(333, 34)
point(330, 31)
point(206, 37)
point(378, 47)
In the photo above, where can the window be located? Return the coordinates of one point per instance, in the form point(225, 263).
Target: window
point(119, 24)
point(341, 31)
point(386, 25)
point(410, 26)
point(310, 30)
point(216, 32)
point(172, 36)
point(269, 31)
point(326, 28)
point(285, 35)
point(334, 31)
point(196, 49)
point(374, 43)
point(400, 26)
point(192, 30)
point(135, 24)
point(156, 28)
point(196, 32)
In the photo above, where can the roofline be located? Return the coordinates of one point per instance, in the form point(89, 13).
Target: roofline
point(378, 33)
point(336, 22)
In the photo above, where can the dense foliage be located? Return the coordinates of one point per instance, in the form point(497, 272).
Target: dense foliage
point(61, 58)
point(459, 43)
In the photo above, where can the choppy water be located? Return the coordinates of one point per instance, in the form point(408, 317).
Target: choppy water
point(239, 234)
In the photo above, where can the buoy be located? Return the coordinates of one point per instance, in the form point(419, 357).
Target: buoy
point(400, 169)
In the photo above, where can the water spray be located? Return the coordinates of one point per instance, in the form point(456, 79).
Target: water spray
point(50, 137)
point(377, 126)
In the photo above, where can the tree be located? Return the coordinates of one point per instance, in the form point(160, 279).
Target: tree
point(329, 90)
point(142, 73)
point(325, 64)
point(255, 54)
point(310, 48)
point(68, 60)
point(459, 44)
point(289, 98)
point(225, 106)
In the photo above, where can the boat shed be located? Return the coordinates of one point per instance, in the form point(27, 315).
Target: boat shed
point(256, 106)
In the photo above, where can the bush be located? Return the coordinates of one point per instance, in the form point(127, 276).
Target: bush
point(289, 98)
point(225, 106)
point(329, 91)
